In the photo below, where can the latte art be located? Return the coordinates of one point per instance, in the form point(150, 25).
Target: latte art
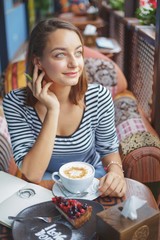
point(75, 176)
point(77, 172)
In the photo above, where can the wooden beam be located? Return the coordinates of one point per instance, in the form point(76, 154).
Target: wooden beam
point(3, 40)
point(130, 7)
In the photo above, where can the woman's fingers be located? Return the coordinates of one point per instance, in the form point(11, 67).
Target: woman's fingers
point(29, 84)
point(37, 84)
point(40, 90)
point(35, 73)
point(112, 185)
point(46, 87)
point(37, 81)
point(118, 190)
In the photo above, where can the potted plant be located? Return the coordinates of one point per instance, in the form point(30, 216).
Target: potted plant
point(42, 8)
point(117, 4)
point(146, 13)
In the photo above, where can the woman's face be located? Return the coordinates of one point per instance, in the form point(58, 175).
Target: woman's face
point(62, 58)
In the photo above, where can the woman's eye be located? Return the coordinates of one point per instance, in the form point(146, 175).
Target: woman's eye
point(79, 53)
point(59, 55)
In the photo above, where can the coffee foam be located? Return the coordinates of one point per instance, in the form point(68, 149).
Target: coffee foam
point(78, 171)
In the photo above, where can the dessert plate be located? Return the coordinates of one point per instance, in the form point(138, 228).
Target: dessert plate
point(92, 191)
point(61, 229)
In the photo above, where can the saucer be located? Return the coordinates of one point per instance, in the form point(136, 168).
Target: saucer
point(92, 191)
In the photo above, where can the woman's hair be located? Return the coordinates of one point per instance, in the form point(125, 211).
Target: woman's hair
point(37, 44)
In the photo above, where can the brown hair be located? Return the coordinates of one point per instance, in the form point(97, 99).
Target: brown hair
point(37, 42)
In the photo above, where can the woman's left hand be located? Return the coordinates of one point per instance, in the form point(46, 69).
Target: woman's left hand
point(112, 185)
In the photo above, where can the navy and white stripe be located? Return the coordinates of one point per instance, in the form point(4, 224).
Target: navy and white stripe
point(94, 138)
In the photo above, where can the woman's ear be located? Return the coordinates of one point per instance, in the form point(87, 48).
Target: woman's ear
point(36, 61)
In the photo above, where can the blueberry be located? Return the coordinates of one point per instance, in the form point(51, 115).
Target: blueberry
point(84, 206)
point(70, 213)
point(66, 203)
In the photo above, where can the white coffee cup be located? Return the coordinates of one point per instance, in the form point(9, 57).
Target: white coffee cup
point(75, 176)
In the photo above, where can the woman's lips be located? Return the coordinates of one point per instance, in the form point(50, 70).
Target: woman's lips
point(71, 74)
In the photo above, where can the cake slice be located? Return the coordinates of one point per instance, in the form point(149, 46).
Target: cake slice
point(75, 212)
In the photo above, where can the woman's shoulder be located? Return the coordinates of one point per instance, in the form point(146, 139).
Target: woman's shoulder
point(15, 96)
point(97, 89)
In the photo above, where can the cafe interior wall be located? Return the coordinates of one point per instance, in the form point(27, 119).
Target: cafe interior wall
point(19, 19)
point(16, 30)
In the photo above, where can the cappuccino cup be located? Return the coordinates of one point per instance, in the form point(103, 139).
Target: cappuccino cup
point(75, 176)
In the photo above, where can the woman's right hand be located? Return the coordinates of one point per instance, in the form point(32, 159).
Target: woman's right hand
point(41, 91)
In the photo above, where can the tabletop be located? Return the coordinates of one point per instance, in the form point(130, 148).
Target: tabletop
point(133, 188)
point(81, 21)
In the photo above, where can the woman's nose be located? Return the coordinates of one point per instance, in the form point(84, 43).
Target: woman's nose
point(72, 62)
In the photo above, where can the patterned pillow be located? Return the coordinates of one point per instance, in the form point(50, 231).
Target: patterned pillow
point(102, 72)
point(139, 140)
point(127, 116)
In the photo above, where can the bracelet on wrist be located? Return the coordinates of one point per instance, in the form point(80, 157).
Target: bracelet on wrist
point(113, 162)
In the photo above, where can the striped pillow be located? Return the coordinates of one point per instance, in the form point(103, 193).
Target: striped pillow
point(14, 76)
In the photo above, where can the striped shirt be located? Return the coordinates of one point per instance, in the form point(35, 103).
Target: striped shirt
point(94, 138)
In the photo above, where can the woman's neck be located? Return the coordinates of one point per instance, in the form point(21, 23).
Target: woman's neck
point(62, 93)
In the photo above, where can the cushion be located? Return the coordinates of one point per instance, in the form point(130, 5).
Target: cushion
point(5, 154)
point(121, 80)
point(4, 128)
point(14, 76)
point(127, 117)
point(139, 143)
point(103, 72)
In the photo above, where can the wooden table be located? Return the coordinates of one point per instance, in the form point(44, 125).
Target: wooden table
point(133, 188)
point(111, 53)
point(81, 21)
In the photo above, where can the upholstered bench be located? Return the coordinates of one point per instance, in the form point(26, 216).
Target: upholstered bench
point(139, 143)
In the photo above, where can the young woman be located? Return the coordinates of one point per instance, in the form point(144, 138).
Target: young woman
point(58, 117)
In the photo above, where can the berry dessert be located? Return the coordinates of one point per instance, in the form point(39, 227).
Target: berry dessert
point(75, 212)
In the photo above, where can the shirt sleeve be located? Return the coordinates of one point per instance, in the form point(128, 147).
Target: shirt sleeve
point(19, 126)
point(106, 135)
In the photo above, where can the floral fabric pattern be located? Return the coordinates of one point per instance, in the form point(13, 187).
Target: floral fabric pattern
point(125, 108)
point(138, 140)
point(103, 72)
